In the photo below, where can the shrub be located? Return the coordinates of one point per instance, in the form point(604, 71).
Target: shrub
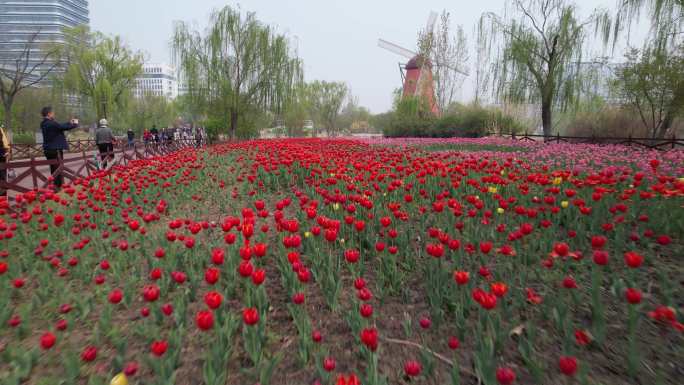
point(461, 121)
point(23, 138)
point(608, 122)
point(409, 127)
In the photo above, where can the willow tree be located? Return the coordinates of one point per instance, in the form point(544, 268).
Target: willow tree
point(666, 19)
point(99, 67)
point(542, 43)
point(652, 79)
point(325, 101)
point(238, 64)
point(448, 53)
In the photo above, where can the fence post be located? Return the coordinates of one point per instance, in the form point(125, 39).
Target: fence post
point(557, 137)
point(629, 140)
point(674, 140)
point(34, 171)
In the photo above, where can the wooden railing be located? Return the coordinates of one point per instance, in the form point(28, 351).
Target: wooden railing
point(32, 173)
point(651, 143)
point(22, 151)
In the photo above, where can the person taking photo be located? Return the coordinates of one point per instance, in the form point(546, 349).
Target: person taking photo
point(54, 141)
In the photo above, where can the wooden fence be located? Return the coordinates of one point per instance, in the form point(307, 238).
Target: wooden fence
point(651, 143)
point(78, 162)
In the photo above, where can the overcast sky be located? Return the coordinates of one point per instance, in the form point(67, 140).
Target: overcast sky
point(336, 39)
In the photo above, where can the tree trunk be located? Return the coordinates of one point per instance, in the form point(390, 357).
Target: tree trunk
point(665, 125)
point(546, 116)
point(233, 123)
point(677, 100)
point(8, 116)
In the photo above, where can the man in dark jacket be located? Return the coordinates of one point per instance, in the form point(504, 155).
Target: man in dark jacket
point(54, 141)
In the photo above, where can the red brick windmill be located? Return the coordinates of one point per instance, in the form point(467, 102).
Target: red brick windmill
point(416, 74)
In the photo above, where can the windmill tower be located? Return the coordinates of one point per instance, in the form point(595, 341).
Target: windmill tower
point(416, 74)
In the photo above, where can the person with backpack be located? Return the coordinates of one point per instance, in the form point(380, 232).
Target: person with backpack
point(131, 138)
point(104, 138)
point(54, 141)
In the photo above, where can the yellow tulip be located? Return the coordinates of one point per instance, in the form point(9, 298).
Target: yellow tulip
point(307, 234)
point(557, 181)
point(564, 204)
point(119, 379)
point(500, 210)
point(492, 189)
point(336, 206)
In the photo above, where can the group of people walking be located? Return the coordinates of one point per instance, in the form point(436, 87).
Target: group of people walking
point(55, 142)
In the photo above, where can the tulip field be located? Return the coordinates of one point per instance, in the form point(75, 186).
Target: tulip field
point(349, 261)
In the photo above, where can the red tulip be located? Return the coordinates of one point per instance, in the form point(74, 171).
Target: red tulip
point(598, 241)
point(211, 275)
point(61, 325)
point(454, 343)
point(582, 338)
point(258, 276)
point(158, 348)
point(217, 256)
point(155, 274)
point(412, 368)
point(204, 320)
point(151, 293)
point(561, 249)
point(89, 354)
point(461, 277)
point(47, 340)
point(633, 296)
point(499, 289)
point(366, 310)
point(352, 255)
point(633, 259)
point(115, 296)
point(167, 309)
point(329, 364)
point(369, 337)
point(316, 336)
point(351, 380)
point(213, 299)
point(250, 316)
point(245, 269)
point(485, 247)
point(567, 365)
point(505, 375)
point(298, 298)
point(569, 283)
point(600, 257)
point(131, 369)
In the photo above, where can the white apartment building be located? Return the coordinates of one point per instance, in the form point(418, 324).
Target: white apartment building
point(157, 79)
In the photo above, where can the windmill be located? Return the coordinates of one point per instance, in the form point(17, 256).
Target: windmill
point(416, 74)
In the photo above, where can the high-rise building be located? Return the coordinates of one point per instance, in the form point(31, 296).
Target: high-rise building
point(21, 20)
point(158, 80)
